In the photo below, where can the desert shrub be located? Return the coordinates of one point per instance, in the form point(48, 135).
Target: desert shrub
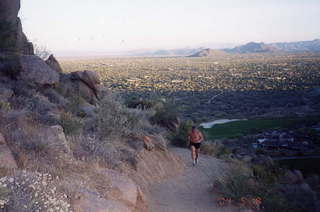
point(275, 201)
point(166, 113)
point(207, 148)
point(114, 123)
point(70, 124)
point(216, 149)
point(41, 51)
point(5, 106)
point(222, 151)
point(267, 174)
point(180, 137)
point(116, 120)
point(140, 103)
point(236, 184)
point(73, 105)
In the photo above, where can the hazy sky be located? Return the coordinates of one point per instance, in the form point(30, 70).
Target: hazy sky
point(112, 25)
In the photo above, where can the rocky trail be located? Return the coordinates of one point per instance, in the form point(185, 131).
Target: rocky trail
point(190, 191)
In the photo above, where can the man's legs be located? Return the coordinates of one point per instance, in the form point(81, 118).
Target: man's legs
point(193, 154)
point(197, 154)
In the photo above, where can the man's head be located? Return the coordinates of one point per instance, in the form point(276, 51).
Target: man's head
point(194, 128)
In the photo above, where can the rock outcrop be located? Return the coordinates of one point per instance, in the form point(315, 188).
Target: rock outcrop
point(36, 72)
point(85, 84)
point(208, 53)
point(89, 78)
point(53, 63)
point(12, 38)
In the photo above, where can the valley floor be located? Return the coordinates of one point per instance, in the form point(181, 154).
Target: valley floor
point(192, 191)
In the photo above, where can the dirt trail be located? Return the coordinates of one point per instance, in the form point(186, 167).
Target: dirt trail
point(190, 191)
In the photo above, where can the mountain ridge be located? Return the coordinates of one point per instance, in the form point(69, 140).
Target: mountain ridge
point(292, 47)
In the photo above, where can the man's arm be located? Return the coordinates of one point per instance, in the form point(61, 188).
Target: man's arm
point(202, 137)
point(189, 139)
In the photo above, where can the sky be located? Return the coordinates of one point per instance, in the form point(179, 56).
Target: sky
point(121, 25)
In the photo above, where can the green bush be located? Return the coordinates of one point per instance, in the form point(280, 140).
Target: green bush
point(70, 124)
point(236, 184)
point(166, 115)
point(180, 137)
point(267, 174)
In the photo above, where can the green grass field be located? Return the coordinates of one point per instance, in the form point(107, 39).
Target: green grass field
point(245, 127)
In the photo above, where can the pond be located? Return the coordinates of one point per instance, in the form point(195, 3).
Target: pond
point(307, 166)
point(210, 124)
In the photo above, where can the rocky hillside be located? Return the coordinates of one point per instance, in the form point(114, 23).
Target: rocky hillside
point(165, 52)
point(66, 143)
point(301, 46)
point(252, 47)
point(293, 47)
point(208, 53)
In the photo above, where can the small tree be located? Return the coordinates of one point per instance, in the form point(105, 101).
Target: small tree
point(41, 51)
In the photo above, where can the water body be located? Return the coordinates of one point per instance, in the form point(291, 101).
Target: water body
point(208, 125)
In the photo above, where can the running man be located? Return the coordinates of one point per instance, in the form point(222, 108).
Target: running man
point(195, 137)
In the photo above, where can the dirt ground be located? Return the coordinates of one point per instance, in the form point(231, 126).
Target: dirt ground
point(192, 191)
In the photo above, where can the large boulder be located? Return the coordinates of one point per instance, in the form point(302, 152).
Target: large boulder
point(54, 64)
point(11, 35)
point(86, 92)
point(6, 158)
point(90, 78)
point(36, 72)
point(77, 85)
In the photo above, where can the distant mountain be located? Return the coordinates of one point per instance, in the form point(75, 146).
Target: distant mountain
point(208, 53)
point(165, 52)
point(252, 47)
point(300, 46)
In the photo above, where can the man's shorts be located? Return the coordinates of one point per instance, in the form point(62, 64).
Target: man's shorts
point(196, 145)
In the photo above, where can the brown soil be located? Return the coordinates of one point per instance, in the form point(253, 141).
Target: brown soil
point(192, 190)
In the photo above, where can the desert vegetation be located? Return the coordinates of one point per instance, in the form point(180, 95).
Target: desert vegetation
point(236, 86)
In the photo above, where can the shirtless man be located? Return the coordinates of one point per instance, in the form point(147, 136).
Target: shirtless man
point(195, 138)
